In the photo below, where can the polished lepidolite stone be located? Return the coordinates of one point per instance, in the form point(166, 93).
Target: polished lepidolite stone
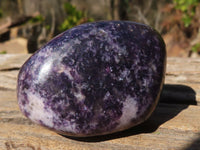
point(94, 79)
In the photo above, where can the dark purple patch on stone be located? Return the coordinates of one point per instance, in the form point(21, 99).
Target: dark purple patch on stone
point(94, 79)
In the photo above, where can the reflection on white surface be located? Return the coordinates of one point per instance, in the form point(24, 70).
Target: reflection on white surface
point(44, 71)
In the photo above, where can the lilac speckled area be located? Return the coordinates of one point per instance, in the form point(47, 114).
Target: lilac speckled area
point(94, 79)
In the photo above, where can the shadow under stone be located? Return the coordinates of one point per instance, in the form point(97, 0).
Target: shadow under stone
point(178, 94)
point(195, 145)
point(171, 97)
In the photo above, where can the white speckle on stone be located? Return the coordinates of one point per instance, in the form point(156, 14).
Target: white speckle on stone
point(124, 74)
point(105, 58)
point(153, 67)
point(77, 41)
point(123, 50)
point(79, 95)
point(106, 48)
point(84, 85)
point(144, 83)
point(148, 42)
point(129, 111)
point(85, 35)
point(128, 79)
point(116, 59)
point(101, 45)
point(67, 46)
point(23, 75)
point(120, 50)
point(69, 127)
point(89, 43)
point(66, 70)
point(93, 31)
point(102, 32)
point(36, 103)
point(106, 95)
point(120, 79)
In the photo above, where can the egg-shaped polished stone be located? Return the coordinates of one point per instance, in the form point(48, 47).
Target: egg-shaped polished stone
point(94, 79)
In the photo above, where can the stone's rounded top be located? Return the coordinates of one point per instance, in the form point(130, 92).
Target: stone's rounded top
point(94, 79)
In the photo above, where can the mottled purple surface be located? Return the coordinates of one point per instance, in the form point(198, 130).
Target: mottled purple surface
point(94, 79)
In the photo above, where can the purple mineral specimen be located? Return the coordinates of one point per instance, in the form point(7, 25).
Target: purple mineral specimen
point(94, 79)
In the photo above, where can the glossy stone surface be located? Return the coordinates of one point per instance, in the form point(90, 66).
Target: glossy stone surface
point(94, 79)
